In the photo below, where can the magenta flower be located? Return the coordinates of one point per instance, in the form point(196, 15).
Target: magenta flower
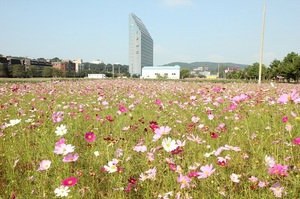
point(68, 182)
point(123, 109)
point(184, 181)
point(297, 141)
point(158, 102)
point(278, 169)
point(90, 137)
point(193, 174)
point(58, 116)
point(285, 119)
point(70, 157)
point(206, 171)
point(109, 118)
point(44, 165)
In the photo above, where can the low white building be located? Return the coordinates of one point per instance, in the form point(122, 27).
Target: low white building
point(97, 76)
point(168, 72)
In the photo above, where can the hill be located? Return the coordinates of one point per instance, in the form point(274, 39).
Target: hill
point(212, 66)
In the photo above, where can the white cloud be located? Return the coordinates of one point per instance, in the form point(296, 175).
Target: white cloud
point(177, 2)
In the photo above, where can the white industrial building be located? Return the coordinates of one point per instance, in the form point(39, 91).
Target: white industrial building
point(96, 76)
point(168, 72)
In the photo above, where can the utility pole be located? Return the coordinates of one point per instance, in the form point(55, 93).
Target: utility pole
point(262, 45)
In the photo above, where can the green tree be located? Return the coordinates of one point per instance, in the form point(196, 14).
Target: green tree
point(3, 70)
point(47, 71)
point(17, 71)
point(32, 71)
point(252, 72)
point(290, 66)
point(184, 73)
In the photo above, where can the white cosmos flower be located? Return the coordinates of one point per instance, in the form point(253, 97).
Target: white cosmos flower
point(13, 122)
point(234, 178)
point(168, 144)
point(111, 166)
point(62, 191)
point(61, 130)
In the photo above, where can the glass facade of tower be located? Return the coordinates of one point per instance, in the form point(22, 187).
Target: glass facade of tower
point(140, 46)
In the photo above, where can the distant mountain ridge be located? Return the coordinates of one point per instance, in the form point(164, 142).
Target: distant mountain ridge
point(212, 66)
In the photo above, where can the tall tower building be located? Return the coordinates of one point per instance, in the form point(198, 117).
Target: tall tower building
point(140, 46)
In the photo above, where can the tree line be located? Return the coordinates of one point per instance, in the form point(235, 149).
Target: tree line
point(288, 69)
point(22, 71)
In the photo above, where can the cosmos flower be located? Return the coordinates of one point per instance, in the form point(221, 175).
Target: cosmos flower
point(168, 144)
point(278, 169)
point(44, 165)
point(163, 130)
point(68, 182)
point(61, 130)
point(111, 167)
point(297, 141)
point(291, 97)
point(184, 181)
point(62, 191)
point(206, 171)
point(90, 137)
point(13, 122)
point(278, 190)
point(57, 116)
point(234, 178)
point(70, 157)
point(64, 149)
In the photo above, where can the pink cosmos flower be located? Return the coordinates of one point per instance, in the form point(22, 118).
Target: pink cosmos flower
point(90, 137)
point(68, 182)
point(150, 156)
point(206, 171)
point(288, 127)
point(163, 130)
point(70, 157)
point(253, 179)
point(294, 97)
point(64, 149)
point(44, 165)
point(142, 148)
point(297, 141)
point(58, 116)
point(278, 169)
point(263, 183)
point(184, 181)
point(277, 190)
point(60, 142)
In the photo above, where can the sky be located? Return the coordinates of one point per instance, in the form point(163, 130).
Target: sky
point(182, 30)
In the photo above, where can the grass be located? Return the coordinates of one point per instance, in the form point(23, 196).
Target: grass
point(255, 126)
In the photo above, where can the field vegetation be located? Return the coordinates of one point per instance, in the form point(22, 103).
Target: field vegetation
point(124, 138)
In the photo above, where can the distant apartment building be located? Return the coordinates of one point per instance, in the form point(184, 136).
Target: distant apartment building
point(78, 65)
point(140, 46)
point(64, 65)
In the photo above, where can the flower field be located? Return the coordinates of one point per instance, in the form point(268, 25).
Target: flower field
point(149, 139)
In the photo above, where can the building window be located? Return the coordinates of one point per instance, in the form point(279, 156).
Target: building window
point(166, 74)
point(173, 73)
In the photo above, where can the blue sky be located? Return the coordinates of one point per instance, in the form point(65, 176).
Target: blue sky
point(182, 30)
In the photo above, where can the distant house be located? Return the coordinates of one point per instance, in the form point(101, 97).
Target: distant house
point(168, 72)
